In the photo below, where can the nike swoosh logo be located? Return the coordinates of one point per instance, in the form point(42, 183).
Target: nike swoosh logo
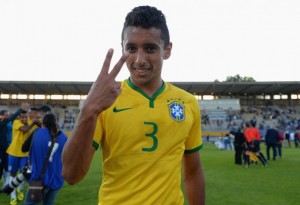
point(120, 110)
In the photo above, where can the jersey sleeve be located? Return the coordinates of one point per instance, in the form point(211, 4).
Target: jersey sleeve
point(194, 140)
point(17, 124)
point(98, 133)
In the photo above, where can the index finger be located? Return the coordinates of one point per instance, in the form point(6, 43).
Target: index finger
point(115, 71)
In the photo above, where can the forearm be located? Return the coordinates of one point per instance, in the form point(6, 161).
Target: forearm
point(78, 151)
point(195, 188)
point(194, 179)
point(27, 127)
point(14, 115)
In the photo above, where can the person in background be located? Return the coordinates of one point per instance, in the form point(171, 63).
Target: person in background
point(6, 137)
point(271, 140)
point(17, 160)
point(239, 146)
point(256, 142)
point(42, 111)
point(279, 143)
point(296, 138)
point(147, 128)
point(227, 141)
point(249, 143)
point(41, 141)
point(207, 138)
point(253, 139)
point(34, 116)
point(287, 138)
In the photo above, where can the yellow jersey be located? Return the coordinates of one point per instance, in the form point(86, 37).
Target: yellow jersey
point(143, 140)
point(18, 139)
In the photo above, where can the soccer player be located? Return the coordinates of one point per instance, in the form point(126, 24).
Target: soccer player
point(146, 127)
point(5, 138)
point(16, 158)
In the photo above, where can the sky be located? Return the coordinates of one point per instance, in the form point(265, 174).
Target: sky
point(67, 40)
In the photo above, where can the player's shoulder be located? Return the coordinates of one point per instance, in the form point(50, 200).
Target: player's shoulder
point(17, 122)
point(62, 134)
point(172, 88)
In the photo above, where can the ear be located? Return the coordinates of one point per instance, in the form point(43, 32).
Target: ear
point(168, 50)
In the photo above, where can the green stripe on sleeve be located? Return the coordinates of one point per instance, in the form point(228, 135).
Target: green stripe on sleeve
point(193, 150)
point(95, 145)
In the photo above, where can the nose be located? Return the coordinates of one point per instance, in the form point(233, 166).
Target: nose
point(140, 58)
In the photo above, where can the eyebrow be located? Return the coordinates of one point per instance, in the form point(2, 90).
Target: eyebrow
point(145, 45)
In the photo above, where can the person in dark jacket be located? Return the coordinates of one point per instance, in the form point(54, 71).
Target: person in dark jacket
point(239, 146)
point(272, 138)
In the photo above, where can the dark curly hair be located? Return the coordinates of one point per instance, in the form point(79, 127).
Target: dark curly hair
point(147, 17)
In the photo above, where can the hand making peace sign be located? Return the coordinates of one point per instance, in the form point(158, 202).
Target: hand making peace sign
point(105, 89)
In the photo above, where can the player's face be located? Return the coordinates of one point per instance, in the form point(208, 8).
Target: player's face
point(147, 53)
point(5, 115)
point(32, 114)
point(23, 118)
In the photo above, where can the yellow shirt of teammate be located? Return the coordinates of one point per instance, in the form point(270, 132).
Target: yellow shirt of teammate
point(21, 130)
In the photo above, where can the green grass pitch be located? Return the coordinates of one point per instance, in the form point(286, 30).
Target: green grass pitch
point(226, 183)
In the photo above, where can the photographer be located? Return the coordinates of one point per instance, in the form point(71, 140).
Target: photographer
point(41, 141)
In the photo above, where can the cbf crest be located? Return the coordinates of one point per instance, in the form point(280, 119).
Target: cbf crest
point(176, 111)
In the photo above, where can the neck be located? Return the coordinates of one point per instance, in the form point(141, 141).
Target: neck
point(149, 88)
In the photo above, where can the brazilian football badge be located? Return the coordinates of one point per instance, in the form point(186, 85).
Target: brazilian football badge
point(176, 111)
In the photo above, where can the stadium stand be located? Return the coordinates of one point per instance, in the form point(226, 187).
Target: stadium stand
point(233, 103)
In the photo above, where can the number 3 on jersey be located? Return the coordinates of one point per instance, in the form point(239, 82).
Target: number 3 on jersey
point(152, 135)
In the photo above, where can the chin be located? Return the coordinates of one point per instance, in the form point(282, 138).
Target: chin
point(140, 80)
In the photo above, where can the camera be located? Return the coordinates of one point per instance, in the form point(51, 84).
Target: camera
point(24, 175)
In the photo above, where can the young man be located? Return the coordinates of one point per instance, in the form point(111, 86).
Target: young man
point(145, 126)
point(43, 110)
point(39, 115)
point(5, 138)
point(16, 158)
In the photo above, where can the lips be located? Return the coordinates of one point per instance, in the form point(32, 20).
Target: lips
point(142, 71)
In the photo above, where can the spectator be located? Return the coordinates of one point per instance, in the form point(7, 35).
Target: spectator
point(279, 144)
point(287, 138)
point(227, 141)
point(296, 139)
point(239, 146)
point(272, 138)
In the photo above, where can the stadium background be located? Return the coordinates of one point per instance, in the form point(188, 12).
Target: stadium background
point(223, 104)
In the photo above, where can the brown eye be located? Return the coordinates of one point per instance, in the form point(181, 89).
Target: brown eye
point(150, 49)
point(130, 49)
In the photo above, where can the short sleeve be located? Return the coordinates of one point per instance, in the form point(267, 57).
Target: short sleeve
point(194, 140)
